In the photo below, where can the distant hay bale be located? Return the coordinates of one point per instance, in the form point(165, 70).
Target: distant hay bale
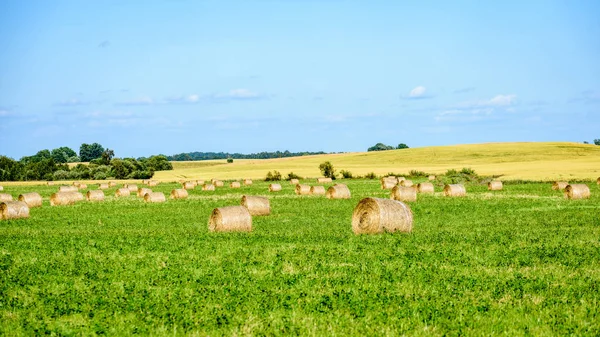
point(199, 182)
point(188, 185)
point(13, 210)
point(431, 177)
point(5, 197)
point(49, 183)
point(208, 187)
point(559, 185)
point(387, 183)
point(1, 188)
point(82, 186)
point(153, 183)
point(317, 190)
point(495, 185)
point(131, 187)
point(403, 193)
point(235, 184)
point(598, 181)
point(274, 187)
point(218, 183)
point(302, 189)
point(294, 181)
point(405, 183)
point(256, 205)
point(323, 180)
point(230, 219)
point(112, 184)
point(65, 198)
point(96, 195)
point(425, 188)
point(455, 190)
point(32, 199)
point(338, 191)
point(122, 192)
point(179, 194)
point(145, 181)
point(577, 191)
point(213, 180)
point(400, 179)
point(103, 186)
point(68, 189)
point(376, 215)
point(247, 182)
point(141, 192)
point(154, 197)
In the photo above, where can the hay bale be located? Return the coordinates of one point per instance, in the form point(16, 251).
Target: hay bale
point(32, 199)
point(294, 181)
point(154, 197)
point(431, 177)
point(103, 186)
point(598, 181)
point(65, 198)
point(13, 210)
point(145, 181)
point(455, 190)
point(387, 183)
point(302, 189)
point(153, 183)
point(131, 187)
point(218, 183)
point(208, 187)
point(179, 194)
point(50, 183)
point(323, 180)
point(188, 185)
point(1, 188)
point(400, 179)
point(406, 183)
point(559, 185)
point(256, 205)
point(403, 193)
point(376, 215)
point(577, 191)
point(317, 190)
point(230, 219)
point(5, 197)
point(97, 195)
point(112, 184)
point(199, 182)
point(235, 184)
point(122, 192)
point(141, 192)
point(495, 185)
point(247, 182)
point(82, 186)
point(338, 191)
point(425, 188)
point(274, 187)
point(68, 189)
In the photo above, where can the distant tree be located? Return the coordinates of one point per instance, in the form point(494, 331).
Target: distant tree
point(597, 141)
point(402, 146)
point(62, 154)
point(107, 156)
point(10, 170)
point(380, 147)
point(87, 152)
point(327, 170)
point(585, 142)
point(229, 160)
point(157, 163)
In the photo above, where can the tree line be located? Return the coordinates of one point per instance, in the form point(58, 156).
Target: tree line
point(189, 156)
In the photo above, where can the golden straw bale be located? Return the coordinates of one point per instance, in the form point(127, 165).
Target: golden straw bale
point(431, 177)
point(50, 183)
point(13, 210)
point(32, 199)
point(155, 197)
point(131, 187)
point(5, 197)
point(400, 179)
point(405, 183)
point(208, 187)
point(65, 198)
point(82, 186)
point(1, 188)
point(96, 195)
point(425, 188)
point(323, 180)
point(598, 181)
point(317, 190)
point(387, 183)
point(188, 185)
point(112, 184)
point(302, 189)
point(145, 181)
point(199, 182)
point(274, 187)
point(218, 183)
point(403, 193)
point(256, 205)
point(247, 182)
point(455, 190)
point(376, 215)
point(577, 191)
point(103, 186)
point(179, 194)
point(294, 181)
point(235, 184)
point(141, 192)
point(152, 183)
point(338, 191)
point(495, 185)
point(559, 185)
point(68, 189)
point(230, 219)
point(122, 192)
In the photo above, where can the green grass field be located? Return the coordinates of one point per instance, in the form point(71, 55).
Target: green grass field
point(522, 261)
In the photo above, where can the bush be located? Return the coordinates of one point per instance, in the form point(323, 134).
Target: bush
point(415, 173)
point(229, 160)
point(371, 175)
point(292, 175)
point(468, 171)
point(274, 176)
point(346, 174)
point(100, 176)
point(60, 175)
point(327, 170)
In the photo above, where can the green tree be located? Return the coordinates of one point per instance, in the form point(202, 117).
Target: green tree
point(10, 170)
point(402, 146)
point(87, 152)
point(62, 154)
point(107, 155)
point(327, 170)
point(380, 147)
point(597, 141)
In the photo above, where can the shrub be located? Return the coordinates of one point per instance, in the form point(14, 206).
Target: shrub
point(415, 173)
point(274, 176)
point(371, 175)
point(100, 176)
point(292, 175)
point(229, 160)
point(468, 171)
point(60, 175)
point(346, 174)
point(327, 170)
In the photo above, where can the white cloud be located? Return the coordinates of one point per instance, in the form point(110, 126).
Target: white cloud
point(142, 100)
point(4, 113)
point(193, 98)
point(72, 102)
point(417, 92)
point(502, 100)
point(242, 94)
point(496, 101)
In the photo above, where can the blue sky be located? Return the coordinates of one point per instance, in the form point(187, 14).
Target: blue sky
point(170, 76)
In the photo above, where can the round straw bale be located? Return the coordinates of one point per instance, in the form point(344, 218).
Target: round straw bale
point(82, 186)
point(103, 186)
point(256, 205)
point(317, 190)
point(495, 185)
point(235, 184)
point(50, 183)
point(577, 191)
point(425, 188)
point(400, 179)
point(76, 183)
point(96, 195)
point(179, 194)
point(294, 181)
point(218, 183)
point(338, 191)
point(65, 198)
point(230, 219)
point(323, 180)
point(32, 199)
point(155, 197)
point(274, 187)
point(405, 183)
point(5, 197)
point(1, 188)
point(387, 183)
point(559, 185)
point(199, 182)
point(152, 183)
point(141, 192)
point(145, 181)
point(403, 193)
point(302, 189)
point(376, 215)
point(13, 210)
point(68, 189)
point(598, 181)
point(208, 187)
point(431, 177)
point(122, 192)
point(131, 187)
point(112, 184)
point(455, 190)
point(247, 182)
point(188, 185)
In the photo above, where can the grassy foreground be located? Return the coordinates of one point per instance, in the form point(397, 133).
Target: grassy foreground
point(523, 261)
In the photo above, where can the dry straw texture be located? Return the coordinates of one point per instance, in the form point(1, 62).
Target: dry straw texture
point(294, 181)
point(32, 199)
point(323, 180)
point(274, 187)
point(96, 195)
point(302, 189)
point(559, 185)
point(68, 189)
point(200, 182)
point(400, 179)
point(122, 192)
point(425, 188)
point(179, 194)
point(230, 219)
point(188, 185)
point(103, 186)
point(387, 183)
point(13, 210)
point(65, 198)
point(208, 187)
point(455, 190)
point(81, 186)
point(317, 190)
point(131, 187)
point(495, 185)
point(247, 182)
point(5, 197)
point(50, 183)
point(375, 215)
point(598, 181)
point(155, 197)
point(1, 188)
point(112, 184)
point(256, 205)
point(235, 184)
point(402, 193)
point(153, 183)
point(141, 192)
point(432, 177)
point(405, 183)
point(338, 191)
point(218, 183)
point(577, 191)
point(145, 181)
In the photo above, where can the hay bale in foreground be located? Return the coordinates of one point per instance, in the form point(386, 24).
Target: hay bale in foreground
point(188, 185)
point(387, 183)
point(256, 205)
point(32, 199)
point(495, 185)
point(153, 183)
point(235, 184)
point(68, 189)
point(425, 188)
point(577, 191)
point(323, 180)
point(274, 187)
point(122, 192)
point(13, 210)
point(247, 182)
point(403, 193)
point(338, 191)
point(431, 177)
point(131, 187)
point(317, 190)
point(97, 195)
point(405, 183)
point(103, 186)
point(179, 194)
point(559, 185)
point(154, 197)
point(455, 190)
point(65, 198)
point(375, 215)
point(294, 181)
point(5, 197)
point(141, 192)
point(230, 219)
point(302, 189)
point(208, 187)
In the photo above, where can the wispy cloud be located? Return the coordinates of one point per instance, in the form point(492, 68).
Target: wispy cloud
point(241, 94)
point(478, 109)
point(104, 44)
point(141, 100)
point(72, 102)
point(4, 113)
point(496, 101)
point(419, 92)
point(587, 97)
point(190, 99)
